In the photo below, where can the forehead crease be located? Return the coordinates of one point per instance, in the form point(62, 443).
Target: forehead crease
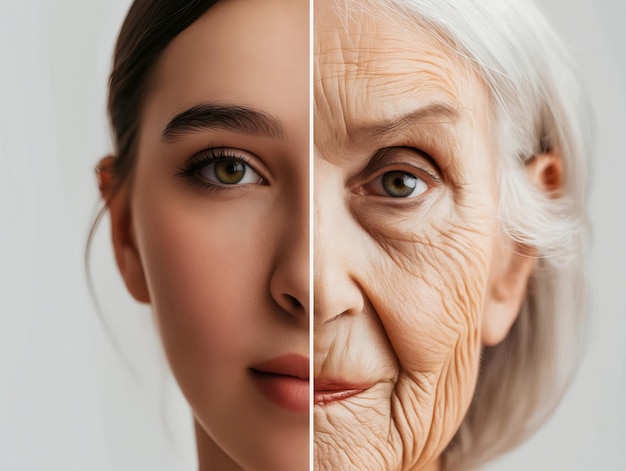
point(385, 59)
point(375, 77)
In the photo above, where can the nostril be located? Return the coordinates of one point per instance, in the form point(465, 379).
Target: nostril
point(294, 303)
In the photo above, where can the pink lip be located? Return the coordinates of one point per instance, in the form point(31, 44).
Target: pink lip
point(331, 390)
point(284, 380)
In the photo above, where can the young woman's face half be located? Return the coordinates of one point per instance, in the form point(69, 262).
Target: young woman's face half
point(218, 227)
point(407, 282)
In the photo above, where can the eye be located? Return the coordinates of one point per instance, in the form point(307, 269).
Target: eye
point(221, 169)
point(397, 184)
point(229, 172)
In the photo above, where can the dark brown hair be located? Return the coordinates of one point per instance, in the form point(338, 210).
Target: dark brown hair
point(148, 29)
point(150, 26)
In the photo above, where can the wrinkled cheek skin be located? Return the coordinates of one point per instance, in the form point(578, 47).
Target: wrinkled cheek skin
point(428, 292)
point(438, 343)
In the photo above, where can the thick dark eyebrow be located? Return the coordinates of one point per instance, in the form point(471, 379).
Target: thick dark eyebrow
point(435, 113)
point(231, 118)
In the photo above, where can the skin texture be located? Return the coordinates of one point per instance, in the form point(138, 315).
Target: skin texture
point(226, 269)
point(407, 290)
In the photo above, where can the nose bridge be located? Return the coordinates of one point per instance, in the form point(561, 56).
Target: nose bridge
point(336, 291)
point(289, 283)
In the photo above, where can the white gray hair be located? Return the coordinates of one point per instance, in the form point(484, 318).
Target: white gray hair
point(540, 107)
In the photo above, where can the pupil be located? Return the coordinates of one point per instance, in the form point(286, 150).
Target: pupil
point(230, 172)
point(399, 184)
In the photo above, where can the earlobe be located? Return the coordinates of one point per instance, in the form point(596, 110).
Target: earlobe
point(513, 263)
point(122, 234)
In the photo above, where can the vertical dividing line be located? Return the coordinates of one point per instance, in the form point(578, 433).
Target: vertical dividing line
point(311, 233)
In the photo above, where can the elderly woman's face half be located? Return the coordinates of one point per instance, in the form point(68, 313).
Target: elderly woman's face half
point(412, 276)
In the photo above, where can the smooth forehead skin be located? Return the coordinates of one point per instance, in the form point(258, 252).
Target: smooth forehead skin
point(265, 69)
point(400, 284)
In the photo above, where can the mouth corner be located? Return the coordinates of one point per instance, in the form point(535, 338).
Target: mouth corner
point(327, 391)
point(284, 380)
point(290, 365)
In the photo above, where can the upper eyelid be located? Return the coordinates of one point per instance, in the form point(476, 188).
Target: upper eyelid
point(385, 158)
point(216, 154)
point(222, 153)
point(417, 171)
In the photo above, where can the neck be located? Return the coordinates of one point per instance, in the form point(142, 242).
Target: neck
point(210, 456)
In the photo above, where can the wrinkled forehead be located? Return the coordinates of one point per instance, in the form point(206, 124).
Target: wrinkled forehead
point(371, 64)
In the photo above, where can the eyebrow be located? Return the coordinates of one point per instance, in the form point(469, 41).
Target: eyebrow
point(434, 113)
point(232, 118)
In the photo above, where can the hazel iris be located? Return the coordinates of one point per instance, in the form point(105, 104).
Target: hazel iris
point(229, 172)
point(399, 184)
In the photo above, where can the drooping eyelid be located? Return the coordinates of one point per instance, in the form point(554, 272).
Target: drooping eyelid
point(389, 159)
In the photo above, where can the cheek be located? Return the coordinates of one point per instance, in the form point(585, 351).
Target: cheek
point(206, 274)
point(435, 290)
point(430, 307)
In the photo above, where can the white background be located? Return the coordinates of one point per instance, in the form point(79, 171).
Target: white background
point(69, 401)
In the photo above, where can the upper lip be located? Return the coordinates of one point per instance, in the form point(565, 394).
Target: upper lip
point(291, 364)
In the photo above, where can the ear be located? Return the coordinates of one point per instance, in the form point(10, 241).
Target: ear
point(126, 254)
point(513, 263)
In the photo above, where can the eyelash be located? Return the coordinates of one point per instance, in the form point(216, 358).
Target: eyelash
point(191, 169)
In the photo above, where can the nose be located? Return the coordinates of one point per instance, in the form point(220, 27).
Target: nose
point(336, 290)
point(289, 282)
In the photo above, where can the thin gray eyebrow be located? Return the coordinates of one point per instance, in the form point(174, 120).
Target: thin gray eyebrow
point(435, 111)
point(232, 118)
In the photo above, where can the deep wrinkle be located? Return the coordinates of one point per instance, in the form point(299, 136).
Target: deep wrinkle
point(436, 139)
point(436, 111)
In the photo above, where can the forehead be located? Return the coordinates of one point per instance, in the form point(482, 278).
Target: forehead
point(374, 65)
point(242, 52)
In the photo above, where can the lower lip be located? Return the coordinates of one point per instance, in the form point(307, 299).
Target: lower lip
point(288, 392)
point(333, 392)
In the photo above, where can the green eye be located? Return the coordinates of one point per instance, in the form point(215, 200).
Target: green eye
point(398, 184)
point(229, 172)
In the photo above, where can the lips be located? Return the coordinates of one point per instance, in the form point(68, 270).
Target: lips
point(332, 390)
point(284, 380)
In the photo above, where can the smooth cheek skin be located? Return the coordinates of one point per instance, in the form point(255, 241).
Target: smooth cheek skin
point(218, 264)
point(400, 285)
point(208, 270)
